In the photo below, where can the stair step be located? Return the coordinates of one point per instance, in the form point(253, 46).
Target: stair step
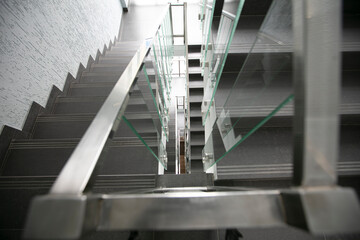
point(108, 67)
point(196, 157)
point(197, 136)
point(197, 166)
point(47, 157)
point(197, 142)
point(194, 55)
point(194, 62)
point(194, 48)
point(193, 70)
point(99, 89)
point(126, 47)
point(258, 171)
point(114, 60)
point(103, 183)
point(99, 77)
point(197, 99)
point(195, 77)
point(77, 105)
point(127, 43)
point(128, 51)
point(196, 92)
point(196, 84)
point(195, 113)
point(196, 150)
point(195, 110)
point(121, 53)
point(106, 77)
point(74, 126)
point(90, 89)
point(196, 125)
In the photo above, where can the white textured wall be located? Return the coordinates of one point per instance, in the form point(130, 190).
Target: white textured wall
point(41, 41)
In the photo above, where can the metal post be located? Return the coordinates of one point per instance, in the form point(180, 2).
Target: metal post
point(317, 35)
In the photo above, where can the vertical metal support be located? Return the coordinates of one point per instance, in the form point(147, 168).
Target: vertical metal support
point(317, 38)
point(160, 169)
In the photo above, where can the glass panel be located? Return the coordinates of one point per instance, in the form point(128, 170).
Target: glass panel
point(218, 55)
point(263, 86)
point(161, 157)
point(153, 104)
point(160, 73)
point(141, 119)
point(146, 115)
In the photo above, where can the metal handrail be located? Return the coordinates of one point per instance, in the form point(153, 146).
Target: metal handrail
point(78, 170)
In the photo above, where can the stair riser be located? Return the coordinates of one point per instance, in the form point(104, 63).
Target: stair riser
point(195, 77)
point(197, 166)
point(194, 62)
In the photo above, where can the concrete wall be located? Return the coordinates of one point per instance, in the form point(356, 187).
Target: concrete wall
point(41, 41)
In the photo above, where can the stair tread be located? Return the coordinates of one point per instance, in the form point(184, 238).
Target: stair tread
point(196, 157)
point(195, 113)
point(86, 116)
point(197, 98)
point(197, 142)
point(47, 157)
point(194, 70)
point(196, 84)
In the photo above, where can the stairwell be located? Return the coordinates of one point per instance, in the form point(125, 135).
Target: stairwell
point(32, 159)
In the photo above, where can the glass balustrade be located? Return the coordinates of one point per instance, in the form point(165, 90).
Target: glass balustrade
point(216, 57)
point(262, 89)
point(146, 115)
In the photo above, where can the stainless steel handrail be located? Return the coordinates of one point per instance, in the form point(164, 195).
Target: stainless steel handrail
point(78, 170)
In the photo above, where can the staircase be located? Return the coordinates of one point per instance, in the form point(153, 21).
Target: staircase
point(33, 159)
point(32, 163)
point(196, 92)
